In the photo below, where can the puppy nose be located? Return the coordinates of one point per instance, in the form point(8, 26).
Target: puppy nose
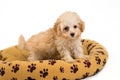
point(72, 34)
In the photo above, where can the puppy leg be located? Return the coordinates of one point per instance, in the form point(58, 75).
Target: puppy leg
point(78, 53)
point(31, 56)
point(65, 54)
point(67, 57)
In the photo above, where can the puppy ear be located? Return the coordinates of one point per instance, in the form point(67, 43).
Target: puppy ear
point(57, 27)
point(82, 26)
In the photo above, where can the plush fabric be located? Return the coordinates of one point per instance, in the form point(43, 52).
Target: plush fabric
point(14, 65)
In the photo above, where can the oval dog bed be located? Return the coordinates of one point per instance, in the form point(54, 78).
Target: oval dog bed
point(14, 65)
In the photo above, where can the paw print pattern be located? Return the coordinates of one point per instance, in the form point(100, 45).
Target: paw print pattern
point(44, 73)
point(85, 75)
point(97, 70)
point(98, 60)
point(14, 78)
point(61, 69)
point(52, 62)
point(15, 68)
point(2, 71)
point(29, 78)
point(104, 62)
point(31, 67)
point(55, 78)
point(74, 69)
point(87, 63)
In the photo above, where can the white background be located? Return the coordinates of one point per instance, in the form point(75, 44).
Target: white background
point(102, 20)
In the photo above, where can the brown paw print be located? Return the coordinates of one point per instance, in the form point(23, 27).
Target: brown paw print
point(2, 71)
point(52, 62)
point(44, 73)
point(87, 63)
point(85, 75)
point(14, 78)
point(31, 67)
point(97, 70)
point(98, 60)
point(30, 78)
point(104, 62)
point(61, 69)
point(74, 69)
point(15, 68)
point(55, 78)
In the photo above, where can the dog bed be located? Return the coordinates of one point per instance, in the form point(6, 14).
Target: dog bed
point(14, 65)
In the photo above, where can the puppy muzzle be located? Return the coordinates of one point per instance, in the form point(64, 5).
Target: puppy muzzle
point(72, 34)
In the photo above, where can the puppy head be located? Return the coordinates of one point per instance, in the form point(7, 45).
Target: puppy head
point(69, 25)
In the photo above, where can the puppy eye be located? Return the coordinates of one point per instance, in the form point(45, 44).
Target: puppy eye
point(66, 28)
point(75, 26)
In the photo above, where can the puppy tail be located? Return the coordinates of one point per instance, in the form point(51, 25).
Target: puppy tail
point(21, 42)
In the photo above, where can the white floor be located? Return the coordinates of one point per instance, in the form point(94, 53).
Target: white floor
point(102, 20)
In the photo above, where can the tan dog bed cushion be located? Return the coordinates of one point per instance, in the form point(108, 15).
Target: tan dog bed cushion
point(14, 65)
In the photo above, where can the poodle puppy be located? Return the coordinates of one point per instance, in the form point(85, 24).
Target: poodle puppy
point(63, 41)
